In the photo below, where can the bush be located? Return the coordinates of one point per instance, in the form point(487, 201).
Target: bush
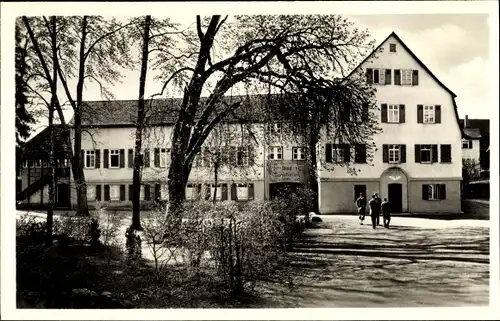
point(29, 227)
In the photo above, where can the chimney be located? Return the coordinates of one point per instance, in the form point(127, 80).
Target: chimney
point(466, 121)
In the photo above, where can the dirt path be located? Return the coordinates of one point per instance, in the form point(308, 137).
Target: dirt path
point(417, 263)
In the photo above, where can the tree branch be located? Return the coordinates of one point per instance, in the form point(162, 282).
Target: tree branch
point(89, 50)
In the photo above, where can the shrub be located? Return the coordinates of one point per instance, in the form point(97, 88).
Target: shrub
point(31, 227)
point(108, 234)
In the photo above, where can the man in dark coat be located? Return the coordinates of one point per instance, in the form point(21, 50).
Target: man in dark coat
point(374, 210)
point(361, 205)
point(386, 212)
point(379, 205)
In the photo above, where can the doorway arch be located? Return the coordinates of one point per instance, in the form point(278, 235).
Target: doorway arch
point(394, 187)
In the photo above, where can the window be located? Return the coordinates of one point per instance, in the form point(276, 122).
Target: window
point(425, 153)
point(376, 76)
point(275, 153)
point(212, 191)
point(142, 193)
point(90, 159)
point(275, 128)
point(25, 164)
point(38, 163)
point(114, 158)
point(191, 192)
point(114, 192)
point(394, 154)
point(337, 153)
point(241, 155)
point(433, 192)
point(467, 144)
point(392, 47)
point(164, 156)
point(242, 191)
point(45, 164)
point(393, 114)
point(298, 153)
point(360, 153)
point(91, 192)
point(429, 115)
point(406, 77)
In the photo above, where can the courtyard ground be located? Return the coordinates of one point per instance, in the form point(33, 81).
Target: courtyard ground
point(416, 263)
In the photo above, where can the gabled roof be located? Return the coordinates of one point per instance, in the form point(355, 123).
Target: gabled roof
point(473, 133)
point(39, 146)
point(453, 95)
point(482, 124)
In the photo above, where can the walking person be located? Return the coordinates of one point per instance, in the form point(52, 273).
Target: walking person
point(374, 210)
point(361, 205)
point(386, 212)
point(379, 201)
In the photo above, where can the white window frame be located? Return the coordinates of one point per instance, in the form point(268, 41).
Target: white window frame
point(298, 153)
point(433, 192)
point(190, 191)
point(429, 114)
point(393, 113)
point(467, 144)
point(45, 164)
point(164, 157)
point(244, 152)
point(164, 191)
point(114, 152)
point(276, 128)
point(407, 77)
point(276, 151)
point(90, 159)
point(242, 191)
point(114, 192)
point(142, 193)
point(37, 163)
point(381, 76)
point(424, 148)
point(25, 163)
point(394, 154)
point(91, 195)
point(219, 192)
point(337, 153)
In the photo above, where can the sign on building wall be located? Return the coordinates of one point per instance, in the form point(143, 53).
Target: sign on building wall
point(286, 171)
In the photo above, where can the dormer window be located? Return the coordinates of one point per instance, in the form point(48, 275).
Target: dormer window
point(392, 47)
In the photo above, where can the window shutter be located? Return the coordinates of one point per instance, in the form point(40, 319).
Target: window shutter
point(82, 158)
point(122, 192)
point(402, 148)
point(442, 191)
point(130, 158)
point(438, 114)
point(250, 191)
point(365, 112)
point(425, 194)
point(397, 77)
point(434, 153)
point(384, 113)
point(157, 192)
point(147, 161)
point(360, 153)
point(97, 158)
point(417, 153)
point(98, 193)
point(445, 153)
point(106, 158)
point(106, 193)
point(415, 78)
point(147, 192)
point(385, 153)
point(157, 157)
point(347, 153)
point(234, 197)
point(224, 192)
point(130, 192)
point(122, 158)
point(369, 75)
point(207, 191)
point(401, 113)
point(388, 76)
point(420, 114)
point(198, 191)
point(328, 150)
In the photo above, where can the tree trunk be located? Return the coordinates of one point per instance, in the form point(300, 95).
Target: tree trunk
point(177, 181)
point(81, 187)
point(50, 211)
point(136, 208)
point(216, 179)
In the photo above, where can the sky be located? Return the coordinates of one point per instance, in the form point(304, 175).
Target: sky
point(455, 47)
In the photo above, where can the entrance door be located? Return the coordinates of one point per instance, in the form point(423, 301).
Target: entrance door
point(63, 195)
point(396, 197)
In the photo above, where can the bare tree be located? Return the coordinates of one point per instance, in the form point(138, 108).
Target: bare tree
point(470, 170)
point(299, 52)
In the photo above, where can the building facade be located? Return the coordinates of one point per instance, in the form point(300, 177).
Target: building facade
point(417, 165)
